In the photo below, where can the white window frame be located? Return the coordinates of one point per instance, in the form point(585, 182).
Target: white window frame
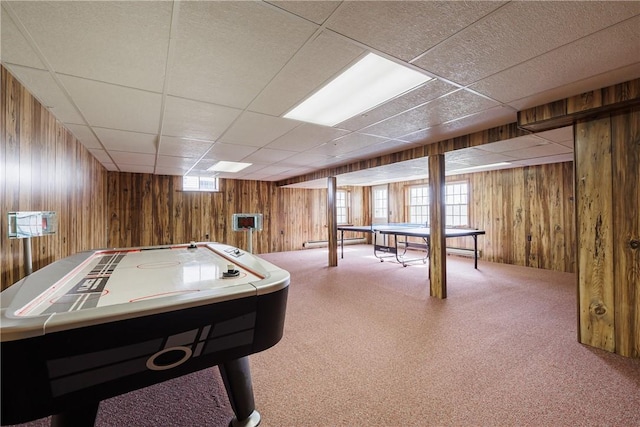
point(380, 201)
point(457, 196)
point(343, 206)
point(418, 204)
point(457, 204)
point(200, 183)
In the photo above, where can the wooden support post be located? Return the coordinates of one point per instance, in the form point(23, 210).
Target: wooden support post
point(332, 221)
point(606, 162)
point(607, 158)
point(437, 250)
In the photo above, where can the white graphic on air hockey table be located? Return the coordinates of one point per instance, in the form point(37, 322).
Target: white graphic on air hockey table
point(121, 277)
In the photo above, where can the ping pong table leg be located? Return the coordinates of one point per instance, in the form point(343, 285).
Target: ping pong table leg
point(236, 376)
point(475, 250)
point(342, 243)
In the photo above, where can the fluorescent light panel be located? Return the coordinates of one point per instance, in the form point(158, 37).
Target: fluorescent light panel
point(224, 166)
point(471, 168)
point(368, 83)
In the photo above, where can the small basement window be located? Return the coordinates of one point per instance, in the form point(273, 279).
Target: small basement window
point(200, 183)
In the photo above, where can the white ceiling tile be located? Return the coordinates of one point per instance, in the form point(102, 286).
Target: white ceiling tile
point(226, 52)
point(94, 39)
point(405, 29)
point(349, 143)
point(579, 60)
point(306, 136)
point(462, 155)
point(517, 32)
point(562, 136)
point(315, 11)
point(379, 149)
point(15, 48)
point(182, 147)
point(464, 125)
point(101, 156)
point(312, 67)
point(307, 159)
point(127, 158)
point(118, 140)
point(193, 119)
point(268, 155)
point(519, 143)
point(440, 110)
point(257, 130)
point(110, 167)
point(116, 107)
point(176, 162)
point(550, 149)
point(487, 158)
point(229, 152)
point(48, 93)
point(168, 170)
point(84, 135)
point(425, 93)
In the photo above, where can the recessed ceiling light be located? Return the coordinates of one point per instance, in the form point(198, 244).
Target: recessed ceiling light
point(224, 166)
point(369, 82)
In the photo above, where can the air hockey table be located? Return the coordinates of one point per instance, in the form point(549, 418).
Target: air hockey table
point(105, 322)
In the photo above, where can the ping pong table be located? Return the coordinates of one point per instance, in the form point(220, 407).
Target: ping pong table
point(400, 246)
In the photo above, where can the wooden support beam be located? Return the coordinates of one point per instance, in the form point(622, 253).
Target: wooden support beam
point(589, 104)
point(607, 160)
point(332, 221)
point(437, 249)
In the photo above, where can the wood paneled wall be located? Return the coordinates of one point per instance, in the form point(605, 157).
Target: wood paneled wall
point(526, 212)
point(149, 209)
point(43, 167)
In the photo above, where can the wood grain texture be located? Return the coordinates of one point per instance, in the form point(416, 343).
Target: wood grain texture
point(594, 223)
point(437, 248)
point(527, 214)
point(43, 167)
point(566, 111)
point(291, 216)
point(626, 234)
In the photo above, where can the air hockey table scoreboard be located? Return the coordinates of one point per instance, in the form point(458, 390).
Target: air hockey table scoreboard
point(105, 322)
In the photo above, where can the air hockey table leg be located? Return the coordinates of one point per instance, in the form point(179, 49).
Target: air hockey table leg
point(236, 376)
point(82, 416)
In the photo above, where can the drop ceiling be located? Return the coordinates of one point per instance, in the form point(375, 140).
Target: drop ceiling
point(171, 88)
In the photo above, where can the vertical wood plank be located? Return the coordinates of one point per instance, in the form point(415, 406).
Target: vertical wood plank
point(437, 251)
point(594, 224)
point(626, 219)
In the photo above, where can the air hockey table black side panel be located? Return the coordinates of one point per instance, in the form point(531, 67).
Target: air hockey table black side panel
point(57, 372)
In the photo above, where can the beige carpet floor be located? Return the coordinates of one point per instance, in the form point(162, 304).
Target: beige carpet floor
point(365, 345)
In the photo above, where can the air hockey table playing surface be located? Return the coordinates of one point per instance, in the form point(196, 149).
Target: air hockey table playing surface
point(105, 322)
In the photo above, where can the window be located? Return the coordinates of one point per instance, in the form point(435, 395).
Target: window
point(199, 183)
point(380, 204)
point(342, 206)
point(419, 204)
point(456, 204)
